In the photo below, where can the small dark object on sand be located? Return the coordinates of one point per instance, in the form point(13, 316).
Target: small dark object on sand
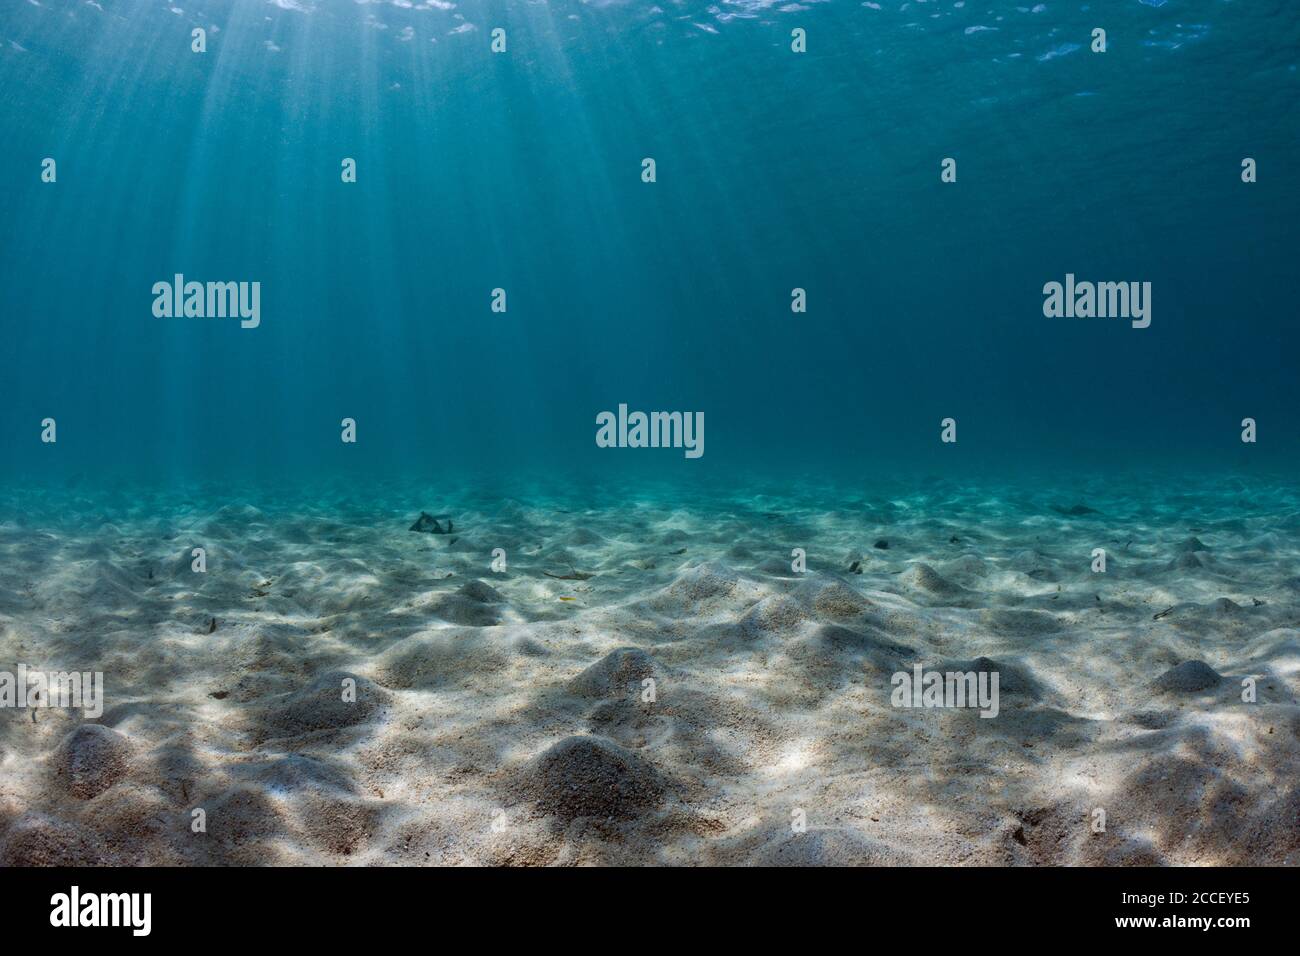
point(1075, 511)
point(855, 567)
point(428, 524)
point(1156, 617)
point(882, 544)
point(954, 540)
point(212, 627)
point(680, 551)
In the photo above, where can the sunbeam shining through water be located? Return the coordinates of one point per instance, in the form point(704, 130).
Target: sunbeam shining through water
point(649, 433)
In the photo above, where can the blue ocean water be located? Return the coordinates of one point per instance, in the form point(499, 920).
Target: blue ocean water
point(870, 228)
point(522, 171)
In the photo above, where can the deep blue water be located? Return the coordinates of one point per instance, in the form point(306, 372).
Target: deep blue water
point(522, 171)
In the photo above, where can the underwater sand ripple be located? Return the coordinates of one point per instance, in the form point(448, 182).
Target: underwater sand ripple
point(651, 682)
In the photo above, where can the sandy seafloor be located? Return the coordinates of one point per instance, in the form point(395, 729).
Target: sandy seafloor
point(500, 717)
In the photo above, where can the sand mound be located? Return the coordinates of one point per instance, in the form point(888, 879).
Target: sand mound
point(1012, 679)
point(38, 840)
point(241, 822)
point(775, 615)
point(837, 649)
point(924, 580)
point(481, 593)
point(265, 646)
point(438, 658)
point(593, 777)
point(705, 589)
point(91, 759)
point(321, 706)
point(1191, 561)
point(1152, 719)
point(838, 601)
point(474, 604)
point(343, 827)
point(1034, 564)
point(1188, 678)
point(583, 538)
point(618, 673)
point(777, 567)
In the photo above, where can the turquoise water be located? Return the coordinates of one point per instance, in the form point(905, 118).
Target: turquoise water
point(181, 510)
point(522, 170)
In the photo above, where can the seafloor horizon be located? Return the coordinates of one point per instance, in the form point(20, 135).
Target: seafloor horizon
point(645, 677)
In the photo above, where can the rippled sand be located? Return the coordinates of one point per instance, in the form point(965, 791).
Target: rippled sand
point(503, 717)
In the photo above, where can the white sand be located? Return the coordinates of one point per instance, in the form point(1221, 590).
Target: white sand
point(772, 688)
